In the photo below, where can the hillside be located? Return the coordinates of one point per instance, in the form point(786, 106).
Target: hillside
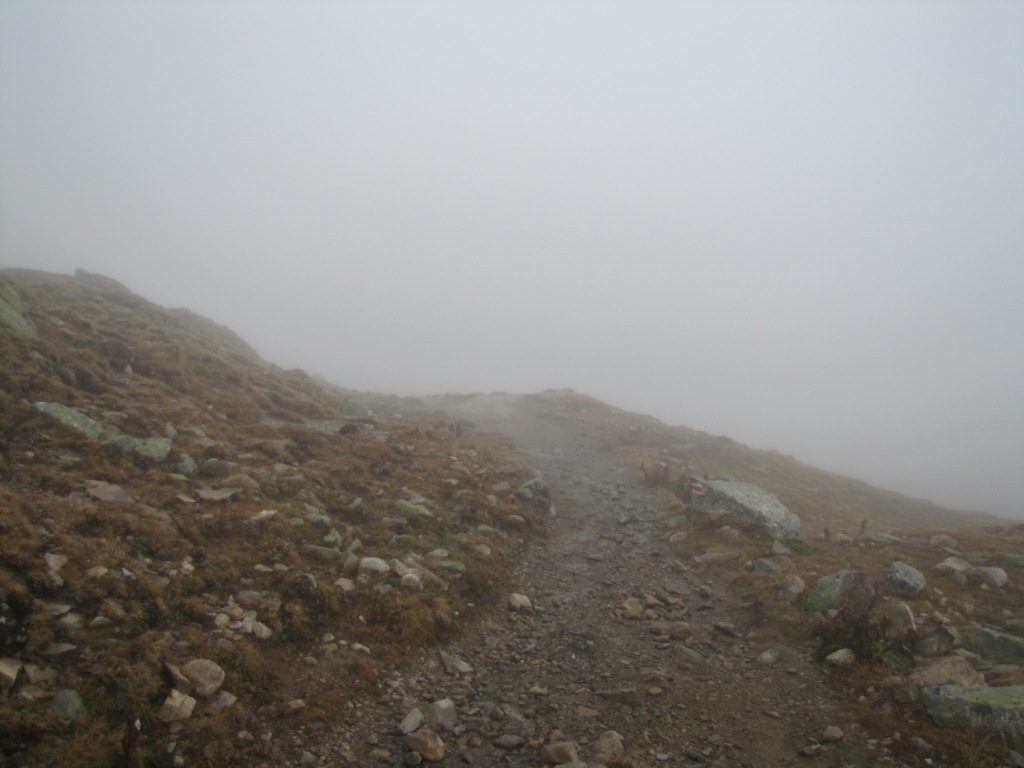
point(208, 560)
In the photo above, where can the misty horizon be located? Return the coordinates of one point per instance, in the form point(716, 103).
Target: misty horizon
point(795, 225)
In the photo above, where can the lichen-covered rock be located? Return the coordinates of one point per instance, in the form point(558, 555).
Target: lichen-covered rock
point(12, 312)
point(994, 646)
point(75, 419)
point(996, 710)
point(748, 506)
point(904, 580)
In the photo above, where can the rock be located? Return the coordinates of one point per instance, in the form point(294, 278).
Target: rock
point(510, 741)
point(9, 669)
point(74, 418)
point(904, 580)
point(519, 602)
point(216, 494)
point(13, 312)
point(992, 576)
point(412, 721)
point(426, 744)
point(676, 630)
point(773, 565)
point(954, 565)
point(995, 710)
point(559, 753)
point(853, 589)
point(220, 467)
point(177, 707)
point(158, 448)
point(610, 749)
point(112, 494)
point(995, 646)
point(442, 714)
point(206, 676)
point(373, 567)
point(633, 608)
point(940, 641)
point(844, 657)
point(453, 665)
point(416, 510)
point(832, 734)
point(748, 506)
point(68, 705)
point(949, 670)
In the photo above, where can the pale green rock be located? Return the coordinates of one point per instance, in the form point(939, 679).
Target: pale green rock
point(994, 646)
point(413, 509)
point(12, 312)
point(995, 710)
point(73, 418)
point(158, 448)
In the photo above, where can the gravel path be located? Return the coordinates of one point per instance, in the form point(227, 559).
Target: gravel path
point(685, 684)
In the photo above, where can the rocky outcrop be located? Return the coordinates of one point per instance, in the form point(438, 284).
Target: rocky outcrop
point(998, 710)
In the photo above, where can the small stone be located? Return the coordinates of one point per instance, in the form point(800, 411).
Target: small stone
point(177, 707)
point(9, 669)
point(559, 753)
point(454, 665)
point(844, 657)
point(610, 748)
point(427, 744)
point(510, 741)
point(832, 734)
point(520, 603)
point(411, 721)
point(293, 706)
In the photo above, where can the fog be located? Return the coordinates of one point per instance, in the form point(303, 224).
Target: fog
point(798, 224)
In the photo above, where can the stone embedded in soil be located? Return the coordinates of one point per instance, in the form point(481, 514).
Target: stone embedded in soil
point(426, 744)
point(559, 753)
point(518, 602)
point(206, 676)
point(177, 707)
point(510, 741)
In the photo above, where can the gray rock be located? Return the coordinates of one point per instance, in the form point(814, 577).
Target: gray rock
point(206, 676)
point(13, 312)
point(990, 575)
point(519, 602)
point(158, 448)
point(374, 567)
point(216, 494)
point(904, 580)
point(610, 748)
point(177, 707)
point(854, 589)
point(73, 418)
point(950, 670)
point(411, 508)
point(995, 710)
point(105, 492)
point(994, 646)
point(441, 714)
point(939, 641)
point(559, 753)
point(412, 721)
point(454, 665)
point(748, 506)
point(510, 741)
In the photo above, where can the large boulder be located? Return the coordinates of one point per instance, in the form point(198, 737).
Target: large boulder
point(747, 506)
point(994, 646)
point(904, 580)
point(970, 708)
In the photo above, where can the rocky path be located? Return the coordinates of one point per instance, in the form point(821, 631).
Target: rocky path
point(626, 656)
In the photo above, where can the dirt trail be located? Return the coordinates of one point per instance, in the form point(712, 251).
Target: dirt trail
point(575, 667)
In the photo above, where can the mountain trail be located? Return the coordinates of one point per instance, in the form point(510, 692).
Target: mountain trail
point(626, 655)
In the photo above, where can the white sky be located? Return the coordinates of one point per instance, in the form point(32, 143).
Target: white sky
point(799, 224)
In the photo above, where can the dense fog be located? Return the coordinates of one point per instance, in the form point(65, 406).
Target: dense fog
point(797, 224)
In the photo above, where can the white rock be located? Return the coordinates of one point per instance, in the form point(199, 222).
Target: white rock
point(518, 602)
point(206, 676)
point(373, 567)
point(844, 657)
point(177, 707)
